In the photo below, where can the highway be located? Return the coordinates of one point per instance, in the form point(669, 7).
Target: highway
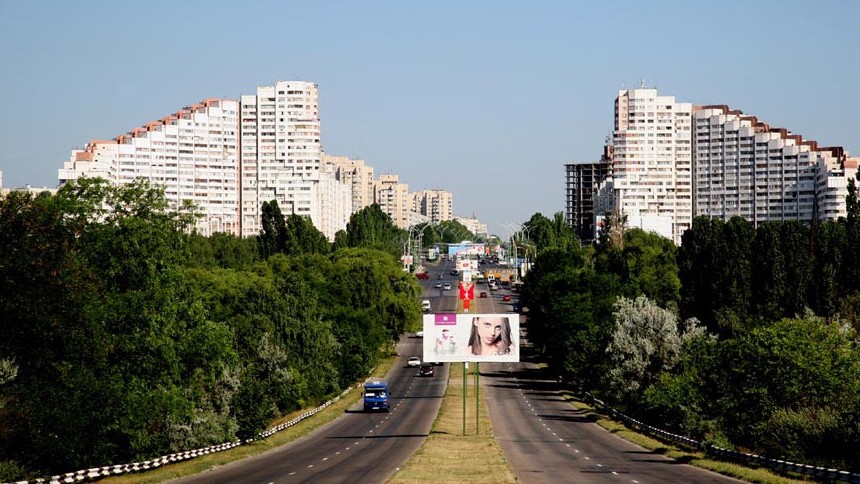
point(359, 447)
point(543, 437)
point(546, 440)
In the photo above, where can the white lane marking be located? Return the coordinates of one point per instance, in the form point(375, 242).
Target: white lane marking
point(576, 450)
point(325, 459)
point(310, 466)
point(291, 474)
point(587, 458)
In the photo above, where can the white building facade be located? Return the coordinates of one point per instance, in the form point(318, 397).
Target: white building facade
point(280, 152)
point(746, 168)
point(192, 154)
point(652, 162)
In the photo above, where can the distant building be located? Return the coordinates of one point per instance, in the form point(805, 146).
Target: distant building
point(669, 162)
point(393, 198)
point(280, 157)
point(27, 189)
point(356, 174)
point(437, 205)
point(474, 225)
point(192, 154)
point(583, 185)
point(652, 162)
point(746, 168)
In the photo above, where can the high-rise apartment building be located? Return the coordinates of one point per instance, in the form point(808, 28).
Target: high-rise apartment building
point(474, 225)
point(652, 162)
point(356, 174)
point(280, 152)
point(437, 205)
point(670, 162)
point(192, 154)
point(393, 199)
point(746, 168)
point(228, 157)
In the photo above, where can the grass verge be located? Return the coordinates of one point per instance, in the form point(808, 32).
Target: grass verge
point(698, 459)
point(448, 455)
point(306, 426)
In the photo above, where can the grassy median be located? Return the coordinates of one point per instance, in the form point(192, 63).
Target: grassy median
point(448, 455)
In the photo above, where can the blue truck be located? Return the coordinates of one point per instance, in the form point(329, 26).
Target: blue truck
point(377, 396)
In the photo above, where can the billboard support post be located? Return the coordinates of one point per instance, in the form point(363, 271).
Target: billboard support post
point(465, 387)
point(477, 398)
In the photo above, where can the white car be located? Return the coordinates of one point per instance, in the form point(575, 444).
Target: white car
point(413, 361)
point(425, 306)
point(447, 287)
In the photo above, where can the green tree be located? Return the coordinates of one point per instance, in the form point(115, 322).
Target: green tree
point(273, 235)
point(372, 228)
point(646, 342)
point(93, 308)
point(302, 237)
point(794, 365)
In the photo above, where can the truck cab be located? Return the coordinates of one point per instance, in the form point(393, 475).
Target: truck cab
point(377, 396)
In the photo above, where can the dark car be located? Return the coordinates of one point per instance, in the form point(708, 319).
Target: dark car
point(483, 294)
point(426, 370)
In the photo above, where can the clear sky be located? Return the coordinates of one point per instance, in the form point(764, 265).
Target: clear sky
point(485, 99)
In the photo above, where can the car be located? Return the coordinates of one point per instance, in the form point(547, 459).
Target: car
point(483, 294)
point(447, 287)
point(455, 272)
point(425, 306)
point(413, 361)
point(426, 370)
point(438, 285)
point(419, 334)
point(422, 275)
point(506, 298)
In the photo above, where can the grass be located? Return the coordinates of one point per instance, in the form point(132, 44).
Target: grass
point(698, 459)
point(290, 434)
point(448, 455)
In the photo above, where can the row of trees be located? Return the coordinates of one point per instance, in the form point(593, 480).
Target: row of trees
point(124, 338)
point(744, 337)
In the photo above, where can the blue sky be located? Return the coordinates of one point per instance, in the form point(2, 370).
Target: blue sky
point(485, 99)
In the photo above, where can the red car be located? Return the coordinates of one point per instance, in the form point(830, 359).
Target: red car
point(506, 297)
point(422, 275)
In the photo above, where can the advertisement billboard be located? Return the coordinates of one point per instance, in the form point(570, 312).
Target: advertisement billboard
point(450, 337)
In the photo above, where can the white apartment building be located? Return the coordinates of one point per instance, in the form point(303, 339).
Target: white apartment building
point(393, 199)
point(335, 200)
point(652, 162)
point(192, 154)
point(356, 174)
point(437, 205)
point(474, 225)
point(280, 152)
point(746, 168)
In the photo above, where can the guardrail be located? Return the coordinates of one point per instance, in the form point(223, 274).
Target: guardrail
point(97, 473)
point(777, 465)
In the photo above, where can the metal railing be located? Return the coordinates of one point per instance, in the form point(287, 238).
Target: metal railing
point(776, 465)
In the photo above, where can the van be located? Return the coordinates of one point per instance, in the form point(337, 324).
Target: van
point(377, 396)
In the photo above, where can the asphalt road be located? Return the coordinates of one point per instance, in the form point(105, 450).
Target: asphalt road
point(543, 437)
point(359, 447)
point(546, 440)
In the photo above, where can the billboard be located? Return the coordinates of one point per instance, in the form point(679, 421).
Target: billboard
point(472, 337)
